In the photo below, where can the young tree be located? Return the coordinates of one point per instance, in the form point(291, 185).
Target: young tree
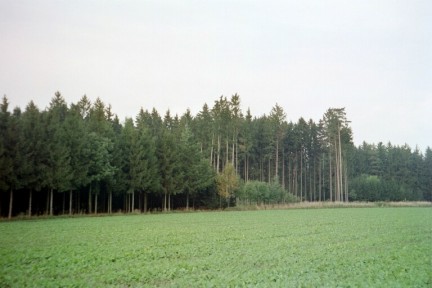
point(227, 182)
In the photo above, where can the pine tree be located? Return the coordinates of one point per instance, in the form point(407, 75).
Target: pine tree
point(196, 171)
point(150, 180)
point(32, 150)
point(338, 136)
point(10, 158)
point(58, 174)
point(76, 141)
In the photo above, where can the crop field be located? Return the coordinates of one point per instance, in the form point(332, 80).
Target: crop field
point(390, 247)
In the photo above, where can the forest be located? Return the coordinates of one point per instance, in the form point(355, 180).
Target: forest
point(81, 158)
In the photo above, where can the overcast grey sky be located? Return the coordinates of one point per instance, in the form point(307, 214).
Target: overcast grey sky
point(372, 57)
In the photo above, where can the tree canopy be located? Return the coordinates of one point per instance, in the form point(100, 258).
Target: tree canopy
point(155, 162)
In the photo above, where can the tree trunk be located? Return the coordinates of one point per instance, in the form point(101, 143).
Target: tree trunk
point(218, 154)
point(90, 201)
point(346, 182)
point(236, 155)
point(133, 201)
point(70, 202)
point(301, 176)
point(310, 186)
point(340, 166)
point(211, 150)
point(64, 203)
point(110, 202)
point(283, 172)
point(277, 158)
point(269, 171)
point(233, 153)
point(30, 203)
point(330, 178)
point(51, 202)
point(10, 204)
point(165, 201)
point(227, 152)
point(96, 204)
point(320, 181)
point(125, 202)
point(337, 181)
point(314, 181)
point(187, 201)
point(145, 202)
point(47, 203)
point(79, 202)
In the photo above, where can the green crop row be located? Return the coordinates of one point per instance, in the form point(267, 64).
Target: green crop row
point(372, 247)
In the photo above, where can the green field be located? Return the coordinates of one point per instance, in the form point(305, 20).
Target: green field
point(283, 248)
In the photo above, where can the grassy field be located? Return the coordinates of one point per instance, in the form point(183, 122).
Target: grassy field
point(283, 248)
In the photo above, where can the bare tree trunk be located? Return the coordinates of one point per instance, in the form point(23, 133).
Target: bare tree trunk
point(79, 202)
point(187, 201)
point(70, 202)
point(346, 183)
point(236, 156)
point(47, 203)
point(96, 203)
point(10, 203)
point(301, 176)
point(246, 168)
point(218, 154)
point(64, 203)
point(233, 152)
point(261, 169)
point(51, 201)
point(30, 203)
point(310, 186)
point(133, 201)
point(90, 200)
point(283, 171)
point(330, 178)
point(211, 150)
point(269, 171)
point(110, 202)
point(145, 202)
point(165, 202)
point(320, 179)
point(289, 176)
point(277, 158)
point(227, 152)
point(340, 165)
point(336, 171)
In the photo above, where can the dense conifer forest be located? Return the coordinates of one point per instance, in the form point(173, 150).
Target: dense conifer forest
point(81, 158)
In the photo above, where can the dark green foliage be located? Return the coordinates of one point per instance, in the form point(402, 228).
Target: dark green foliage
point(163, 162)
point(196, 172)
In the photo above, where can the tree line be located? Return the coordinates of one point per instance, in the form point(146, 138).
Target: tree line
point(80, 158)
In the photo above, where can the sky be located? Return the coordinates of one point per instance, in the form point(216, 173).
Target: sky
point(372, 57)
